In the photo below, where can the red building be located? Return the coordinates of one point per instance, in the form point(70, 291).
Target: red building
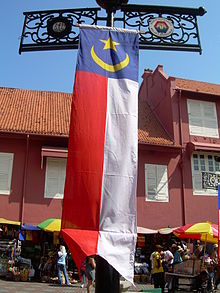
point(178, 139)
point(172, 192)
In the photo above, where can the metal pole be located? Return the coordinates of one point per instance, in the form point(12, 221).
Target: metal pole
point(107, 278)
point(110, 18)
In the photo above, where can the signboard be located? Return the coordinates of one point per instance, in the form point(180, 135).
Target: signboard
point(161, 27)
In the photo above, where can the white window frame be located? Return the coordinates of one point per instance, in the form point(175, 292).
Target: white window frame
point(7, 171)
point(202, 165)
point(59, 178)
point(202, 117)
point(158, 175)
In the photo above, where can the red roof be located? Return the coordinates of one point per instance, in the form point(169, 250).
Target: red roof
point(198, 86)
point(149, 128)
point(37, 112)
point(48, 113)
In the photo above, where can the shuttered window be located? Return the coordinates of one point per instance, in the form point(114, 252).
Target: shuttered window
point(6, 163)
point(156, 183)
point(202, 118)
point(55, 178)
point(203, 162)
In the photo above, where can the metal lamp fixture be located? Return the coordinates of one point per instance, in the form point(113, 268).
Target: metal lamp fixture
point(111, 4)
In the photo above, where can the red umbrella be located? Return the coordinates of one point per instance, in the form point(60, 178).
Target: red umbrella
point(204, 231)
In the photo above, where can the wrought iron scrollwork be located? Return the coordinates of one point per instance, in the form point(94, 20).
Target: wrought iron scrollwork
point(38, 35)
point(185, 35)
point(35, 34)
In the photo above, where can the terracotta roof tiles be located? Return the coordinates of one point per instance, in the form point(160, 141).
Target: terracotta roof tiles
point(198, 86)
point(149, 128)
point(39, 112)
point(48, 113)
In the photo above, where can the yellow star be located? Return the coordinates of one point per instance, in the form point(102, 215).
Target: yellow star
point(109, 44)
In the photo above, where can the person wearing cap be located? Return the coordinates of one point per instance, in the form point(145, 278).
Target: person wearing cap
point(157, 270)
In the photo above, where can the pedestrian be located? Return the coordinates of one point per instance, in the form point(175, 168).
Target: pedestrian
point(83, 274)
point(176, 254)
point(90, 271)
point(157, 270)
point(61, 265)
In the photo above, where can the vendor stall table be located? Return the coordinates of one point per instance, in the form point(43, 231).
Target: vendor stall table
point(182, 281)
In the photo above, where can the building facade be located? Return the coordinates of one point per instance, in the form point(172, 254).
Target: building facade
point(178, 136)
point(189, 111)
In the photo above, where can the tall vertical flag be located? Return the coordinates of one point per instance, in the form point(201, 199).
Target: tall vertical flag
point(99, 208)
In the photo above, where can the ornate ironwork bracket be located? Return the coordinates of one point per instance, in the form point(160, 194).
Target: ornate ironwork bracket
point(162, 28)
point(210, 180)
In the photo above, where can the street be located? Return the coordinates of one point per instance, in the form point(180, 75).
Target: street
point(34, 287)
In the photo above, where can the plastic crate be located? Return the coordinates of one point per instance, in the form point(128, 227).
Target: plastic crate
point(154, 290)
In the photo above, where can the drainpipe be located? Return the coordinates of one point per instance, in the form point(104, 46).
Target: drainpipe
point(24, 179)
point(181, 163)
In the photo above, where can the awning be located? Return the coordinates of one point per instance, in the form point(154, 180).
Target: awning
point(5, 221)
point(204, 146)
point(142, 230)
point(166, 231)
point(29, 227)
point(54, 152)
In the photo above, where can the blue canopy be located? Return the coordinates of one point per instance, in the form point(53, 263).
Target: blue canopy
point(29, 227)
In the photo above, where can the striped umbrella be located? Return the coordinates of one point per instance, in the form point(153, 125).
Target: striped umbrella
point(50, 225)
point(204, 231)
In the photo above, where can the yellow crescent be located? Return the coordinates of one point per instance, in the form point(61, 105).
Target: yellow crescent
point(108, 67)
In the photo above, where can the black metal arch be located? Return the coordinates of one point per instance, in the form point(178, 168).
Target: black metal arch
point(57, 29)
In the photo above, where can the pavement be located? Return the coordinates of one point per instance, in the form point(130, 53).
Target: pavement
point(35, 287)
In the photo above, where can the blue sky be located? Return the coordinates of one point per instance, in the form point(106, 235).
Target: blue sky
point(54, 70)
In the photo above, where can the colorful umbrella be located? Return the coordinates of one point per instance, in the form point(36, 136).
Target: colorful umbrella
point(50, 225)
point(5, 221)
point(205, 231)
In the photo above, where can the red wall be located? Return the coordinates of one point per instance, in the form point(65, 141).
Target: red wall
point(36, 208)
point(170, 107)
point(159, 214)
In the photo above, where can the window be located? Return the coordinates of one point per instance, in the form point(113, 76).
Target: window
point(6, 163)
point(55, 177)
point(203, 162)
point(202, 118)
point(156, 183)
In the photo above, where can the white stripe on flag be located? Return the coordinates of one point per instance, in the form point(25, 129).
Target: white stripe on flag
point(117, 227)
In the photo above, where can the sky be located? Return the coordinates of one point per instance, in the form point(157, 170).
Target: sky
point(55, 70)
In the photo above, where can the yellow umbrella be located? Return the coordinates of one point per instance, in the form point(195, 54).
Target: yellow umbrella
point(5, 221)
point(207, 232)
point(50, 225)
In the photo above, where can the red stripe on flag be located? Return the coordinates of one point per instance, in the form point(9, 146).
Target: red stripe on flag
point(83, 186)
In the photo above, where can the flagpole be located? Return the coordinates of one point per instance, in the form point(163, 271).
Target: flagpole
point(107, 278)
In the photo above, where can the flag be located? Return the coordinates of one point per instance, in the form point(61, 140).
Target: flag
point(99, 207)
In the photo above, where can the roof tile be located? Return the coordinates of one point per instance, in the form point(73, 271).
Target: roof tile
point(48, 113)
point(198, 86)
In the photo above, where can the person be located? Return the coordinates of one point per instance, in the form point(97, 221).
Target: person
point(157, 270)
point(176, 254)
point(83, 273)
point(186, 254)
point(90, 271)
point(214, 255)
point(167, 260)
point(61, 265)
